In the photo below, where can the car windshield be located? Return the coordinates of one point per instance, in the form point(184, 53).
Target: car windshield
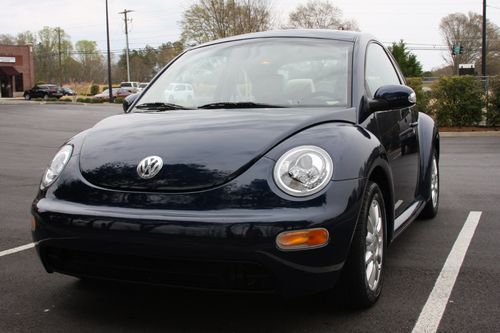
point(287, 72)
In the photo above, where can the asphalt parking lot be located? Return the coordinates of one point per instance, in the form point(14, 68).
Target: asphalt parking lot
point(33, 301)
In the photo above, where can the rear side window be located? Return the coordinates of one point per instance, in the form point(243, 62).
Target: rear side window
point(379, 70)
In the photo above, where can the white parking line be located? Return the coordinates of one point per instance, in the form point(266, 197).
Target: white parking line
point(433, 310)
point(17, 249)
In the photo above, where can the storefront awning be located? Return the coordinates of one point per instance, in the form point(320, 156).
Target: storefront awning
point(8, 71)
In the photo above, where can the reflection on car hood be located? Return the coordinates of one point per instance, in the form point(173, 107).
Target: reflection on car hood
point(200, 148)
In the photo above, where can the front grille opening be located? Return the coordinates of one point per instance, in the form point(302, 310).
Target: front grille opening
point(216, 275)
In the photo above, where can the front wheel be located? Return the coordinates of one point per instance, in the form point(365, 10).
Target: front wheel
point(431, 207)
point(363, 273)
point(27, 97)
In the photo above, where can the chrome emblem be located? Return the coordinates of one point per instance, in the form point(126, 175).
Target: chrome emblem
point(149, 167)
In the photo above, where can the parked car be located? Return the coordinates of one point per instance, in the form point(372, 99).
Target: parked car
point(142, 86)
point(289, 176)
point(44, 91)
point(131, 86)
point(179, 92)
point(117, 92)
point(105, 94)
point(68, 91)
point(123, 92)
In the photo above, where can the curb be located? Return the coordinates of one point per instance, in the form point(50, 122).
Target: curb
point(23, 102)
point(469, 134)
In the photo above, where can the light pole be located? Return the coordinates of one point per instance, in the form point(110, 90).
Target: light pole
point(110, 86)
point(483, 55)
point(125, 12)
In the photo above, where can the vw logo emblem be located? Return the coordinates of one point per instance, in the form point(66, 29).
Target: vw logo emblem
point(149, 167)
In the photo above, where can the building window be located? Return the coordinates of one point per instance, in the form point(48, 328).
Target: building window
point(19, 82)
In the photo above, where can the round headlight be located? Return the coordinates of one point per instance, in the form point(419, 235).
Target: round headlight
point(56, 166)
point(303, 170)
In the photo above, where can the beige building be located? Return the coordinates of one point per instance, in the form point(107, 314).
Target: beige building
point(17, 73)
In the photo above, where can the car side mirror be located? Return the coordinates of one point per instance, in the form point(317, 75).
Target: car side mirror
point(128, 101)
point(390, 97)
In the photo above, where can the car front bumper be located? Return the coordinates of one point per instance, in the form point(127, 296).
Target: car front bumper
point(217, 247)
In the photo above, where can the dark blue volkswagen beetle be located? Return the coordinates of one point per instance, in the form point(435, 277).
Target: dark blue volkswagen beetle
point(272, 162)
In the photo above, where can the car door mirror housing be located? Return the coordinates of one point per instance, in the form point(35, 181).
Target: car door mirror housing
point(128, 101)
point(390, 97)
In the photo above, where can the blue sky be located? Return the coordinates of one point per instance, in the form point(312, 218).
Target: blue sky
point(156, 21)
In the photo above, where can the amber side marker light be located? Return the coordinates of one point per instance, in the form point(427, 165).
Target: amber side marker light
point(302, 239)
point(33, 224)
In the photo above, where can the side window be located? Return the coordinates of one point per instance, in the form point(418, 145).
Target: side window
point(379, 70)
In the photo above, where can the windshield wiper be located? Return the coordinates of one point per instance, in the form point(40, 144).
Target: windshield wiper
point(159, 106)
point(239, 105)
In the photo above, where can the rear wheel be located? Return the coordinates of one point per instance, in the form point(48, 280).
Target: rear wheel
point(27, 97)
point(431, 207)
point(363, 273)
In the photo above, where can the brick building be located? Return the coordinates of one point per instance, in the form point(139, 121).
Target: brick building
point(16, 70)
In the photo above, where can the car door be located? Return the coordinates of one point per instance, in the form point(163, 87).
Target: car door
point(397, 128)
point(34, 92)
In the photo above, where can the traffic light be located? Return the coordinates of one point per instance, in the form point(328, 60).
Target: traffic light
point(457, 49)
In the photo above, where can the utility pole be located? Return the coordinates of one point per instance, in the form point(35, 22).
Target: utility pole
point(125, 12)
point(59, 51)
point(110, 85)
point(483, 62)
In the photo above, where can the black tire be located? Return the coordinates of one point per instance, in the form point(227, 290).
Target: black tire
point(359, 292)
point(27, 97)
point(431, 207)
point(46, 97)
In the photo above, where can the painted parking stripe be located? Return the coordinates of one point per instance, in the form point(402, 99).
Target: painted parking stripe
point(17, 249)
point(433, 310)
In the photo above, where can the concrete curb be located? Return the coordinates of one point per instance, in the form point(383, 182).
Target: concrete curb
point(21, 102)
point(469, 134)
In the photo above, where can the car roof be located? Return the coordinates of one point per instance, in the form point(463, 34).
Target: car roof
point(348, 36)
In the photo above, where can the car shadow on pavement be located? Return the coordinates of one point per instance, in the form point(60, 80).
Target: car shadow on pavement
point(150, 308)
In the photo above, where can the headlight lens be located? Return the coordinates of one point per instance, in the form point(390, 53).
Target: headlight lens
point(303, 170)
point(56, 166)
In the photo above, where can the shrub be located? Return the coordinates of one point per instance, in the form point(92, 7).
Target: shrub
point(459, 101)
point(493, 112)
point(423, 97)
point(118, 100)
point(94, 89)
point(84, 100)
point(66, 99)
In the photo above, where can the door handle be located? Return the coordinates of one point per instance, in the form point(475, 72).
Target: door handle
point(414, 124)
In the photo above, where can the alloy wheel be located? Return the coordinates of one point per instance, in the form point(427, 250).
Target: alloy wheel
point(374, 245)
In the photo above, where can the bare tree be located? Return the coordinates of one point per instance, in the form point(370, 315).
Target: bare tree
point(317, 14)
point(27, 37)
point(92, 66)
point(465, 30)
point(212, 19)
point(7, 39)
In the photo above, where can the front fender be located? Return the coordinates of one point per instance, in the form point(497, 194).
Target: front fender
point(429, 140)
point(356, 154)
point(353, 149)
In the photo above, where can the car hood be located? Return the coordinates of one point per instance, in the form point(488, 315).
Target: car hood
point(199, 148)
